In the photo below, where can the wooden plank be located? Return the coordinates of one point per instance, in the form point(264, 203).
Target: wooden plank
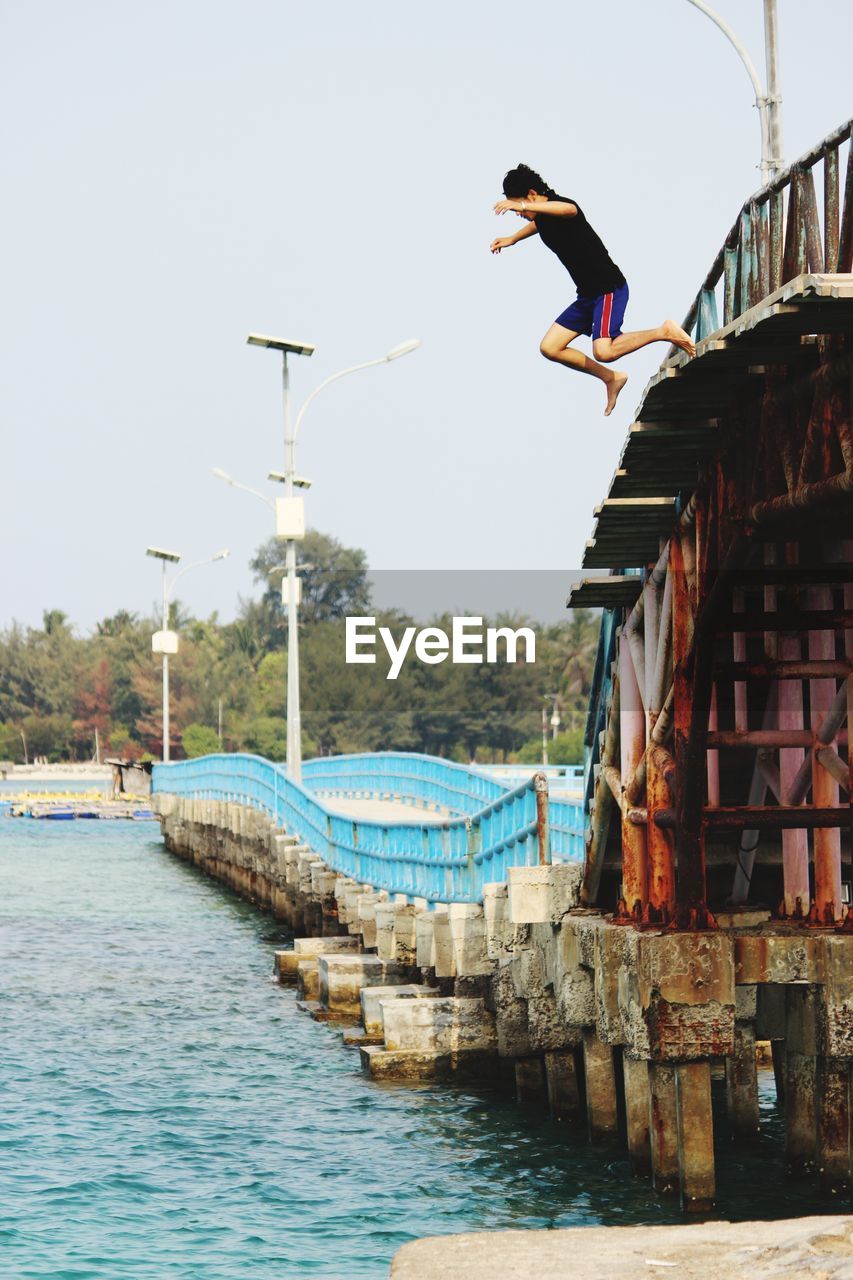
point(611, 592)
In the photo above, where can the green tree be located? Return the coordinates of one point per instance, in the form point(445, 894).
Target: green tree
point(199, 740)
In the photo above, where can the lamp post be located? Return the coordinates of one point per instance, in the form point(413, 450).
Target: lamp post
point(290, 518)
point(165, 642)
point(767, 101)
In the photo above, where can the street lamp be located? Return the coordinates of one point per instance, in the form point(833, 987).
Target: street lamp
point(165, 642)
point(766, 102)
point(290, 518)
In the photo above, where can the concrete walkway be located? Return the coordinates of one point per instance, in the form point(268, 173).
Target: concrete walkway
point(811, 1248)
point(371, 810)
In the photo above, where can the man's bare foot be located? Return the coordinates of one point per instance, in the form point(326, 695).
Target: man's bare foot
point(674, 333)
point(614, 386)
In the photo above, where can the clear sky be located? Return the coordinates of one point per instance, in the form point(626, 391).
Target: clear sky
point(179, 173)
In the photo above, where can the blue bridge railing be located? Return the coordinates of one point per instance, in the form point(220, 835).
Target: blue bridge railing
point(405, 776)
point(444, 861)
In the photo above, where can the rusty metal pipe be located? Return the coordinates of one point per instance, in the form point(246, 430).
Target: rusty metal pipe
point(806, 816)
point(834, 765)
point(663, 657)
point(827, 843)
point(603, 807)
point(632, 744)
point(543, 829)
point(826, 732)
point(748, 843)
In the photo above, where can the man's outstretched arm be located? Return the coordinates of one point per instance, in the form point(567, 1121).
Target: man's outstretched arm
point(506, 242)
point(557, 208)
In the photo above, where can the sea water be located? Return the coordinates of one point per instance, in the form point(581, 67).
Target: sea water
point(167, 1111)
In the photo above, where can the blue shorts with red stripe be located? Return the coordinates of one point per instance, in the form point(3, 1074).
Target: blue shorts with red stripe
point(600, 317)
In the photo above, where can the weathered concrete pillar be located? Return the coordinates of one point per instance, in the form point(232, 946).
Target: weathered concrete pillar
point(367, 917)
point(563, 1081)
point(308, 978)
point(635, 1072)
point(425, 940)
point(285, 962)
point(530, 1085)
point(445, 956)
point(341, 978)
point(600, 1079)
point(695, 1136)
point(663, 1128)
point(385, 943)
point(742, 1085)
point(438, 1025)
point(834, 1131)
point(372, 999)
point(405, 936)
point(468, 932)
point(801, 1080)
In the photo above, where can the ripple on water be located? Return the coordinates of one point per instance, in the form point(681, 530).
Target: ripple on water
point(167, 1112)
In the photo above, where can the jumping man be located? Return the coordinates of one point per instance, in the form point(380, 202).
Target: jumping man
point(602, 297)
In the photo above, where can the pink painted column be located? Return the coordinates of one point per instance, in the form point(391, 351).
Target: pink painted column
point(825, 791)
point(632, 744)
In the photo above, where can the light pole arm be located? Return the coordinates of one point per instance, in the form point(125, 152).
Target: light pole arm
point(196, 564)
point(342, 373)
point(238, 484)
point(758, 88)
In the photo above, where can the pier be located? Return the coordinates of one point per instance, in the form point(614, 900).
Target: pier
point(605, 957)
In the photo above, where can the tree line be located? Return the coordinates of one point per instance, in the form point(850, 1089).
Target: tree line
point(63, 694)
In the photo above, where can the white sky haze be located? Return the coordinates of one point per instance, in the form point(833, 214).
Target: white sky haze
point(179, 174)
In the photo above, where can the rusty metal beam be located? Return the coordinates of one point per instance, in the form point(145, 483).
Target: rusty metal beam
point(756, 621)
point(786, 669)
point(770, 816)
point(752, 739)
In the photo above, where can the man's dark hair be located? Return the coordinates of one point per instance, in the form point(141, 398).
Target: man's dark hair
point(522, 179)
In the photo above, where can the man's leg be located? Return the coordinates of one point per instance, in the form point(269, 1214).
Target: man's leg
point(612, 348)
point(556, 346)
point(608, 340)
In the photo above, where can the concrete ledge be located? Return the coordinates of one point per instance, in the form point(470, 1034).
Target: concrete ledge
point(285, 962)
point(475, 1066)
point(342, 977)
point(796, 1247)
point(372, 998)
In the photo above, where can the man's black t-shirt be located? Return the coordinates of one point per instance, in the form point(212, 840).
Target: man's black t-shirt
point(580, 250)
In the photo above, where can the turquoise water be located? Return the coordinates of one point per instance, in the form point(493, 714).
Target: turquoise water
point(166, 1111)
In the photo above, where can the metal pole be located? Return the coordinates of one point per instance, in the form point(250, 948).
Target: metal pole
point(773, 97)
point(544, 732)
point(166, 725)
point(767, 169)
point(294, 719)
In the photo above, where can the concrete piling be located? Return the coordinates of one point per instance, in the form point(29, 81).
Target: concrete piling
point(562, 1078)
point(600, 1087)
point(594, 1020)
point(635, 1074)
point(695, 1136)
point(663, 1128)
